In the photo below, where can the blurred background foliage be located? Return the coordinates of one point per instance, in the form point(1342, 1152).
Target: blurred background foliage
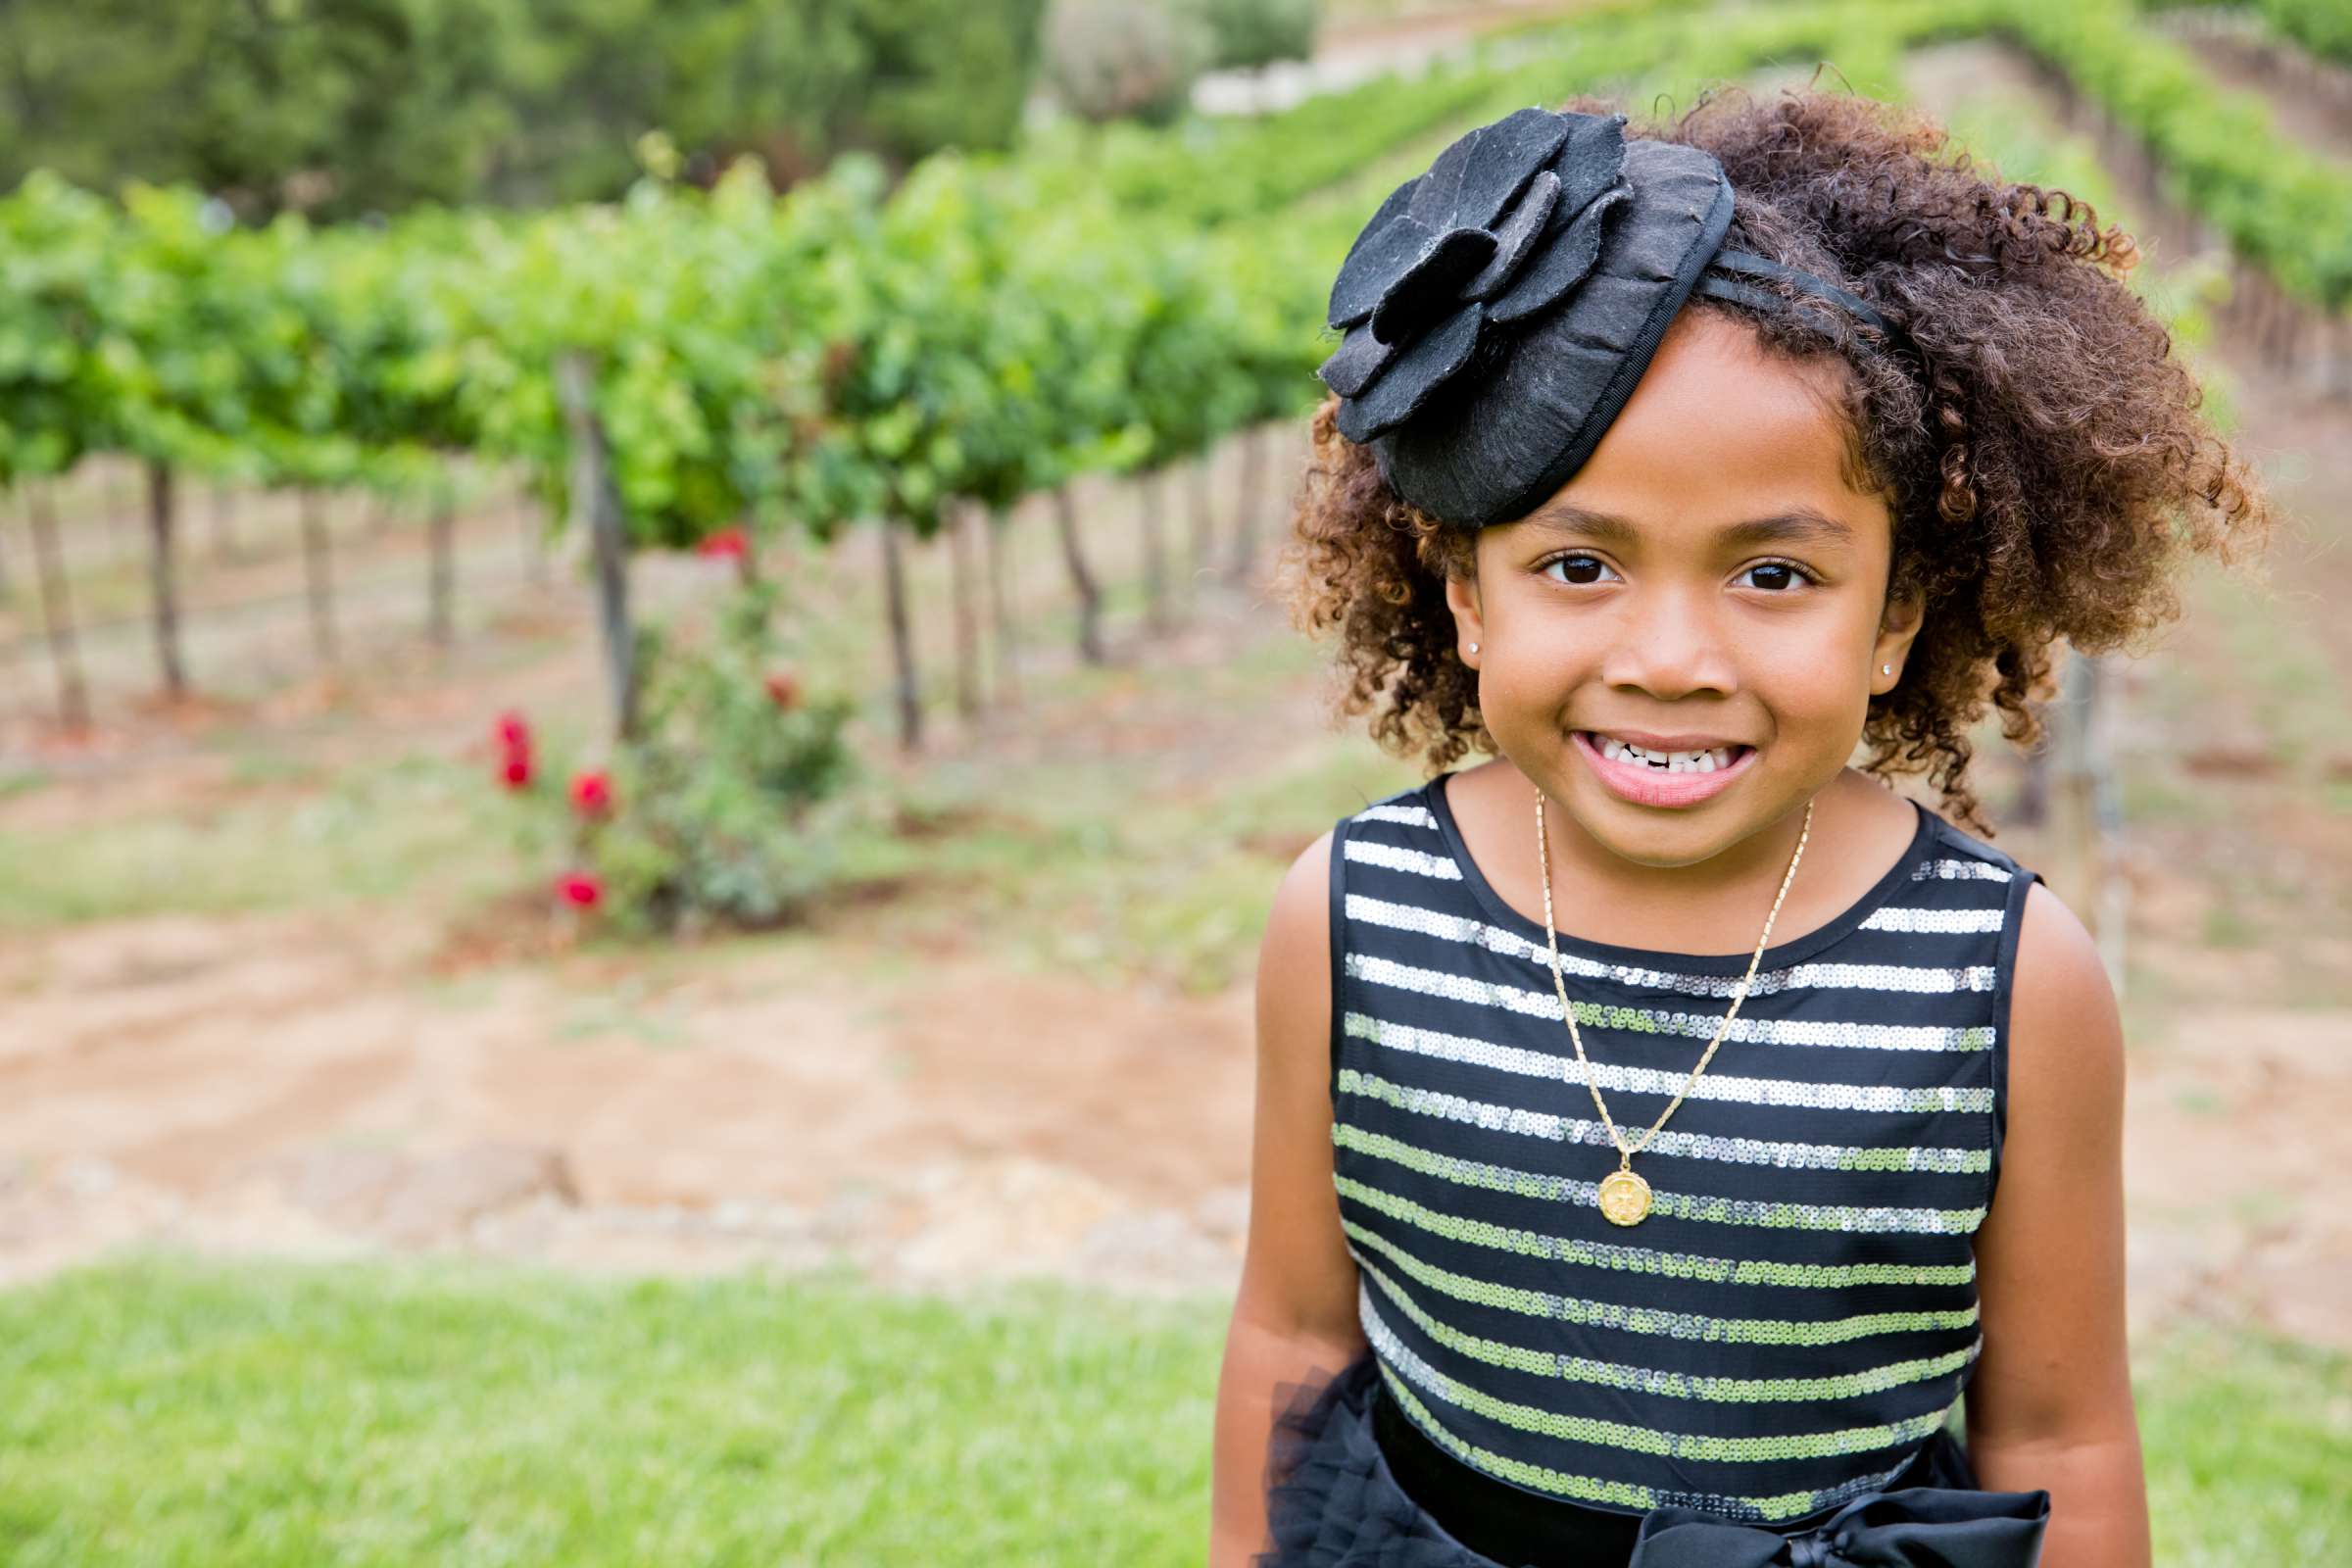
point(341, 108)
point(876, 293)
point(345, 107)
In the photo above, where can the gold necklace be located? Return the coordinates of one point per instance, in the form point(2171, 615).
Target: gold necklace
point(1622, 1196)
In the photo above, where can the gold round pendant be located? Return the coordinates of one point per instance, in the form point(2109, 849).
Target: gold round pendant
point(1623, 1197)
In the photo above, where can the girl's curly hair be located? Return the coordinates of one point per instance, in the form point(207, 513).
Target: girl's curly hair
point(2046, 472)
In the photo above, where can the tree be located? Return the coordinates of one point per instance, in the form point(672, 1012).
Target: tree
point(1250, 34)
point(1111, 59)
point(341, 108)
point(336, 106)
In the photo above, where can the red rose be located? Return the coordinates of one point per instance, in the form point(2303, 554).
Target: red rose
point(592, 794)
point(514, 747)
point(728, 543)
point(784, 690)
point(579, 890)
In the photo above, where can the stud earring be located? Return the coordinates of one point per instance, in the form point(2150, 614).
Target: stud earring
point(1474, 648)
point(1886, 669)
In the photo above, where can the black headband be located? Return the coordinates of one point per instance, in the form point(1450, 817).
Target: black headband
point(1500, 307)
point(1764, 267)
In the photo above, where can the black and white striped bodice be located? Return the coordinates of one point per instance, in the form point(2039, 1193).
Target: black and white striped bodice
point(1797, 1315)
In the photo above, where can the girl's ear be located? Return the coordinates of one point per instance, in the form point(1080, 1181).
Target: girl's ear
point(1469, 626)
point(1897, 628)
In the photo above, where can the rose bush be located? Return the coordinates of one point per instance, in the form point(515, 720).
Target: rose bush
point(706, 818)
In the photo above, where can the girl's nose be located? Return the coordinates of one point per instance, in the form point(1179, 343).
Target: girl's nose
point(1669, 645)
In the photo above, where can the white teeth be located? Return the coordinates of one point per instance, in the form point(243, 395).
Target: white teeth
point(1618, 750)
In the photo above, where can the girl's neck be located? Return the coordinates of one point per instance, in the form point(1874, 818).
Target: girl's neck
point(1860, 830)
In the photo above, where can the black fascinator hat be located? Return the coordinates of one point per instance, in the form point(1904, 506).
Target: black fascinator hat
point(1499, 308)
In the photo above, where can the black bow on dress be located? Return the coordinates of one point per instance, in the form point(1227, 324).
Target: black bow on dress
point(1918, 1527)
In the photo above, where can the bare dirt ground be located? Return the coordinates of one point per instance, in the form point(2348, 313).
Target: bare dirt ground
point(348, 1082)
point(868, 1090)
point(288, 1081)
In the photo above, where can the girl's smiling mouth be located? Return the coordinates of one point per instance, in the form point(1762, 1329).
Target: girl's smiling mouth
point(1663, 776)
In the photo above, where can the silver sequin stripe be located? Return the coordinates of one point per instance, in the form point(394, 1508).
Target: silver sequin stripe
point(1919, 979)
point(1836, 1032)
point(1395, 857)
point(1724, 1086)
point(1938, 922)
point(1943, 868)
point(1966, 871)
point(1706, 1446)
point(1848, 1218)
point(1948, 1161)
point(1409, 815)
point(1626, 1493)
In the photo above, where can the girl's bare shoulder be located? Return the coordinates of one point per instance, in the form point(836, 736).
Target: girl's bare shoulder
point(2065, 1026)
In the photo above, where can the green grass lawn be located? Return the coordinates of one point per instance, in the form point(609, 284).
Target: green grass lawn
point(159, 1410)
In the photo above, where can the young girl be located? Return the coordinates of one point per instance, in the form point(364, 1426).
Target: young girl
point(1662, 1123)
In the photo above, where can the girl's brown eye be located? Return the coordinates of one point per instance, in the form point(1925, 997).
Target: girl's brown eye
point(1576, 564)
point(1791, 575)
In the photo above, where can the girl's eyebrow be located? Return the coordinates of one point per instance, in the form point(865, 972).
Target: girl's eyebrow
point(1797, 525)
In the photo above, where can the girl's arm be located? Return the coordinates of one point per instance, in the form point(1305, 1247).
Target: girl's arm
point(1295, 1316)
point(2050, 1403)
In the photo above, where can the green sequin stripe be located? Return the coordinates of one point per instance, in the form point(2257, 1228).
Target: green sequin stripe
point(1704, 1445)
point(1542, 1478)
point(1643, 1260)
point(1838, 1032)
point(1666, 1383)
point(1623, 1492)
point(1650, 1320)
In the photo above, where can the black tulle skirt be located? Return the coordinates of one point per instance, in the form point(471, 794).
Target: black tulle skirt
point(1334, 1500)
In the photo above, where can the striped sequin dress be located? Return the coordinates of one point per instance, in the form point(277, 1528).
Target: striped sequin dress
point(1790, 1328)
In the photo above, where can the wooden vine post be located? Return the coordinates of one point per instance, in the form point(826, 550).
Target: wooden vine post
point(958, 523)
point(1245, 521)
point(996, 536)
point(1082, 576)
point(901, 637)
point(2032, 804)
point(442, 571)
point(57, 607)
point(117, 512)
point(1155, 556)
point(162, 526)
point(319, 573)
point(2089, 811)
point(594, 494)
point(1203, 510)
point(531, 532)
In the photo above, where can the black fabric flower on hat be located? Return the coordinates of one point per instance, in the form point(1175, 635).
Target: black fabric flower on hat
point(1506, 222)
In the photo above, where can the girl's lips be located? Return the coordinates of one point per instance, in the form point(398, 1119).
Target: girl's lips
point(1645, 785)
